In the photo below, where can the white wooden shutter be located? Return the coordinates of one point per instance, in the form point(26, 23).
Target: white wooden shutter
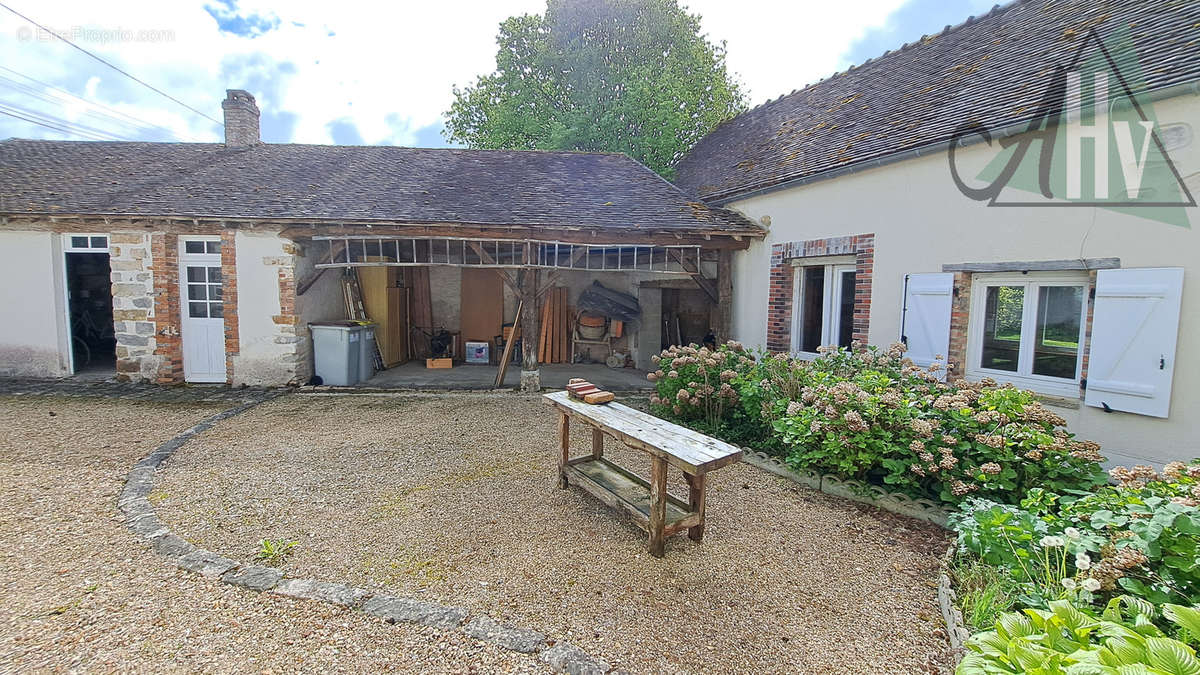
point(1135, 325)
point(926, 317)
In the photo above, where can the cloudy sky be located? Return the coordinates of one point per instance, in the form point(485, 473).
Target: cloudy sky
point(369, 73)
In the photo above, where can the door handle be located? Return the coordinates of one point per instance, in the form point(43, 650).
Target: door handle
point(1162, 362)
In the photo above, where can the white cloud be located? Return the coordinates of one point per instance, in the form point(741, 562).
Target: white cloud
point(387, 68)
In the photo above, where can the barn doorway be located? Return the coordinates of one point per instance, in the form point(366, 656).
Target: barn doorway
point(90, 306)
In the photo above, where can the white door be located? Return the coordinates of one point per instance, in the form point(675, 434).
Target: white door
point(202, 310)
point(926, 317)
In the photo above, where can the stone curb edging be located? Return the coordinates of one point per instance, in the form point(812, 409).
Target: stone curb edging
point(952, 616)
point(141, 519)
point(921, 509)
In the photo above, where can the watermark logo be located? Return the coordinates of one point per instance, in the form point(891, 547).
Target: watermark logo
point(95, 34)
point(1098, 144)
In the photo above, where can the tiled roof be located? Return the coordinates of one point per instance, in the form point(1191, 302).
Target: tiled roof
point(323, 183)
point(993, 69)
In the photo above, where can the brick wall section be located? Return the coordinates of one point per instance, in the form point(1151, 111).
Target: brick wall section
point(779, 302)
point(164, 250)
point(779, 295)
point(130, 259)
point(229, 299)
point(960, 313)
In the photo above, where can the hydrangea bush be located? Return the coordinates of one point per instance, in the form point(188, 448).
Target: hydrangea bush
point(874, 416)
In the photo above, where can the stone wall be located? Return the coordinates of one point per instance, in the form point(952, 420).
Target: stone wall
point(133, 306)
point(273, 346)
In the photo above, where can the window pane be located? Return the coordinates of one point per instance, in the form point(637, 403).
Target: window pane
point(1056, 345)
point(215, 310)
point(193, 246)
point(195, 274)
point(196, 292)
point(197, 310)
point(214, 275)
point(811, 304)
point(214, 292)
point(99, 242)
point(846, 311)
point(1002, 327)
point(79, 242)
point(213, 246)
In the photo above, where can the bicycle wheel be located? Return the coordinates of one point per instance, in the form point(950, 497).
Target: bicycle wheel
point(83, 353)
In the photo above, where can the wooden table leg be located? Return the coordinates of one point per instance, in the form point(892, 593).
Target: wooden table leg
point(564, 442)
point(658, 505)
point(696, 502)
point(597, 443)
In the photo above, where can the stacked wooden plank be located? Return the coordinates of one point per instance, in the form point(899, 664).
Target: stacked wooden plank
point(587, 392)
point(554, 339)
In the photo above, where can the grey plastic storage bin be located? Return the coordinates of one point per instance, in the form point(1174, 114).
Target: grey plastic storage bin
point(337, 350)
point(366, 354)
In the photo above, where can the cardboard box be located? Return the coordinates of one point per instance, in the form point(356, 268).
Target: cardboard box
point(439, 363)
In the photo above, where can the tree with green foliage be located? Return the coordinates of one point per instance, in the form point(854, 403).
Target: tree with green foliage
point(632, 76)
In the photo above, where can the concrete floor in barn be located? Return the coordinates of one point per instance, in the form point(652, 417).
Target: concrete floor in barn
point(414, 375)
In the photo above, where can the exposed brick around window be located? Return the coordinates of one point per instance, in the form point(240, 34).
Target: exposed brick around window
point(779, 300)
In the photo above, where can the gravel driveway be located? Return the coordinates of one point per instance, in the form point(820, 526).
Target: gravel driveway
point(452, 498)
point(77, 592)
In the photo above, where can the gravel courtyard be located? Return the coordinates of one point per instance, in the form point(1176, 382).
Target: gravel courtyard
point(78, 592)
point(452, 499)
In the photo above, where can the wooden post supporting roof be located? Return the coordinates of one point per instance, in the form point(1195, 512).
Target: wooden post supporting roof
point(724, 295)
point(531, 379)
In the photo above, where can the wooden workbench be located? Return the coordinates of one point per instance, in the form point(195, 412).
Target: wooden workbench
point(647, 502)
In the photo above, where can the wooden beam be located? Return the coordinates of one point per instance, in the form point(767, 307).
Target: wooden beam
point(529, 332)
point(705, 285)
point(504, 275)
point(308, 280)
point(508, 345)
point(614, 236)
point(554, 276)
point(724, 322)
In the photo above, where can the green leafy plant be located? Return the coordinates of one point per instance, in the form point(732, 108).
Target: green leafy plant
point(983, 591)
point(1070, 640)
point(1140, 537)
point(273, 551)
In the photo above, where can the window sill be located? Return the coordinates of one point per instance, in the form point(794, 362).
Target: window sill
point(1045, 388)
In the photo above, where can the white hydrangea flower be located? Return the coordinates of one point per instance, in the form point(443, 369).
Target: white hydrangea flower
point(1052, 541)
point(1072, 533)
point(1091, 585)
point(1069, 584)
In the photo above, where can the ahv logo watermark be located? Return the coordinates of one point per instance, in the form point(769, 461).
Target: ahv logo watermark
point(1099, 144)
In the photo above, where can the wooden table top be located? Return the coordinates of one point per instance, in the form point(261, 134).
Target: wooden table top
point(688, 450)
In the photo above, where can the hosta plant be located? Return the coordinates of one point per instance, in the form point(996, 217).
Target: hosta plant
point(1067, 640)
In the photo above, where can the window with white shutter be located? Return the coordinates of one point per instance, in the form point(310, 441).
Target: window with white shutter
point(1135, 327)
point(925, 324)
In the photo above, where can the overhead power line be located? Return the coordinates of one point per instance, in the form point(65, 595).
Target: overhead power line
point(98, 111)
point(56, 124)
point(126, 74)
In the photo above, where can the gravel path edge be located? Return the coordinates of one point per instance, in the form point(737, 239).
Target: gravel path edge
point(140, 517)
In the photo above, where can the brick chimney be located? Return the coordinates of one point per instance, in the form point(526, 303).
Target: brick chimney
point(241, 119)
